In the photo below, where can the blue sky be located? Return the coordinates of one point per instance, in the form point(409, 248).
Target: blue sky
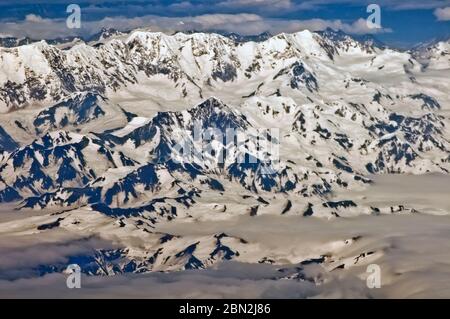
point(404, 22)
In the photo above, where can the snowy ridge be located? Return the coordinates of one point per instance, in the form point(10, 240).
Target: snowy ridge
point(92, 135)
point(190, 61)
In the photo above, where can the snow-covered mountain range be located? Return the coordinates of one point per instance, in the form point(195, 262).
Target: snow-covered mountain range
point(90, 133)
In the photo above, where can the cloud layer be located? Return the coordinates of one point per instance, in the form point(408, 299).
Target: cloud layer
point(41, 20)
point(442, 14)
point(37, 27)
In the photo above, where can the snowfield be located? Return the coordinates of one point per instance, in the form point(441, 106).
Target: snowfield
point(92, 172)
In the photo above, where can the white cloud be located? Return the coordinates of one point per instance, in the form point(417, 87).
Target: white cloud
point(35, 18)
point(274, 4)
point(227, 280)
point(21, 256)
point(361, 26)
point(37, 27)
point(442, 14)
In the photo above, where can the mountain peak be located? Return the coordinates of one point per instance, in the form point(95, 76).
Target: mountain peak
point(332, 34)
point(209, 106)
point(103, 34)
point(339, 36)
